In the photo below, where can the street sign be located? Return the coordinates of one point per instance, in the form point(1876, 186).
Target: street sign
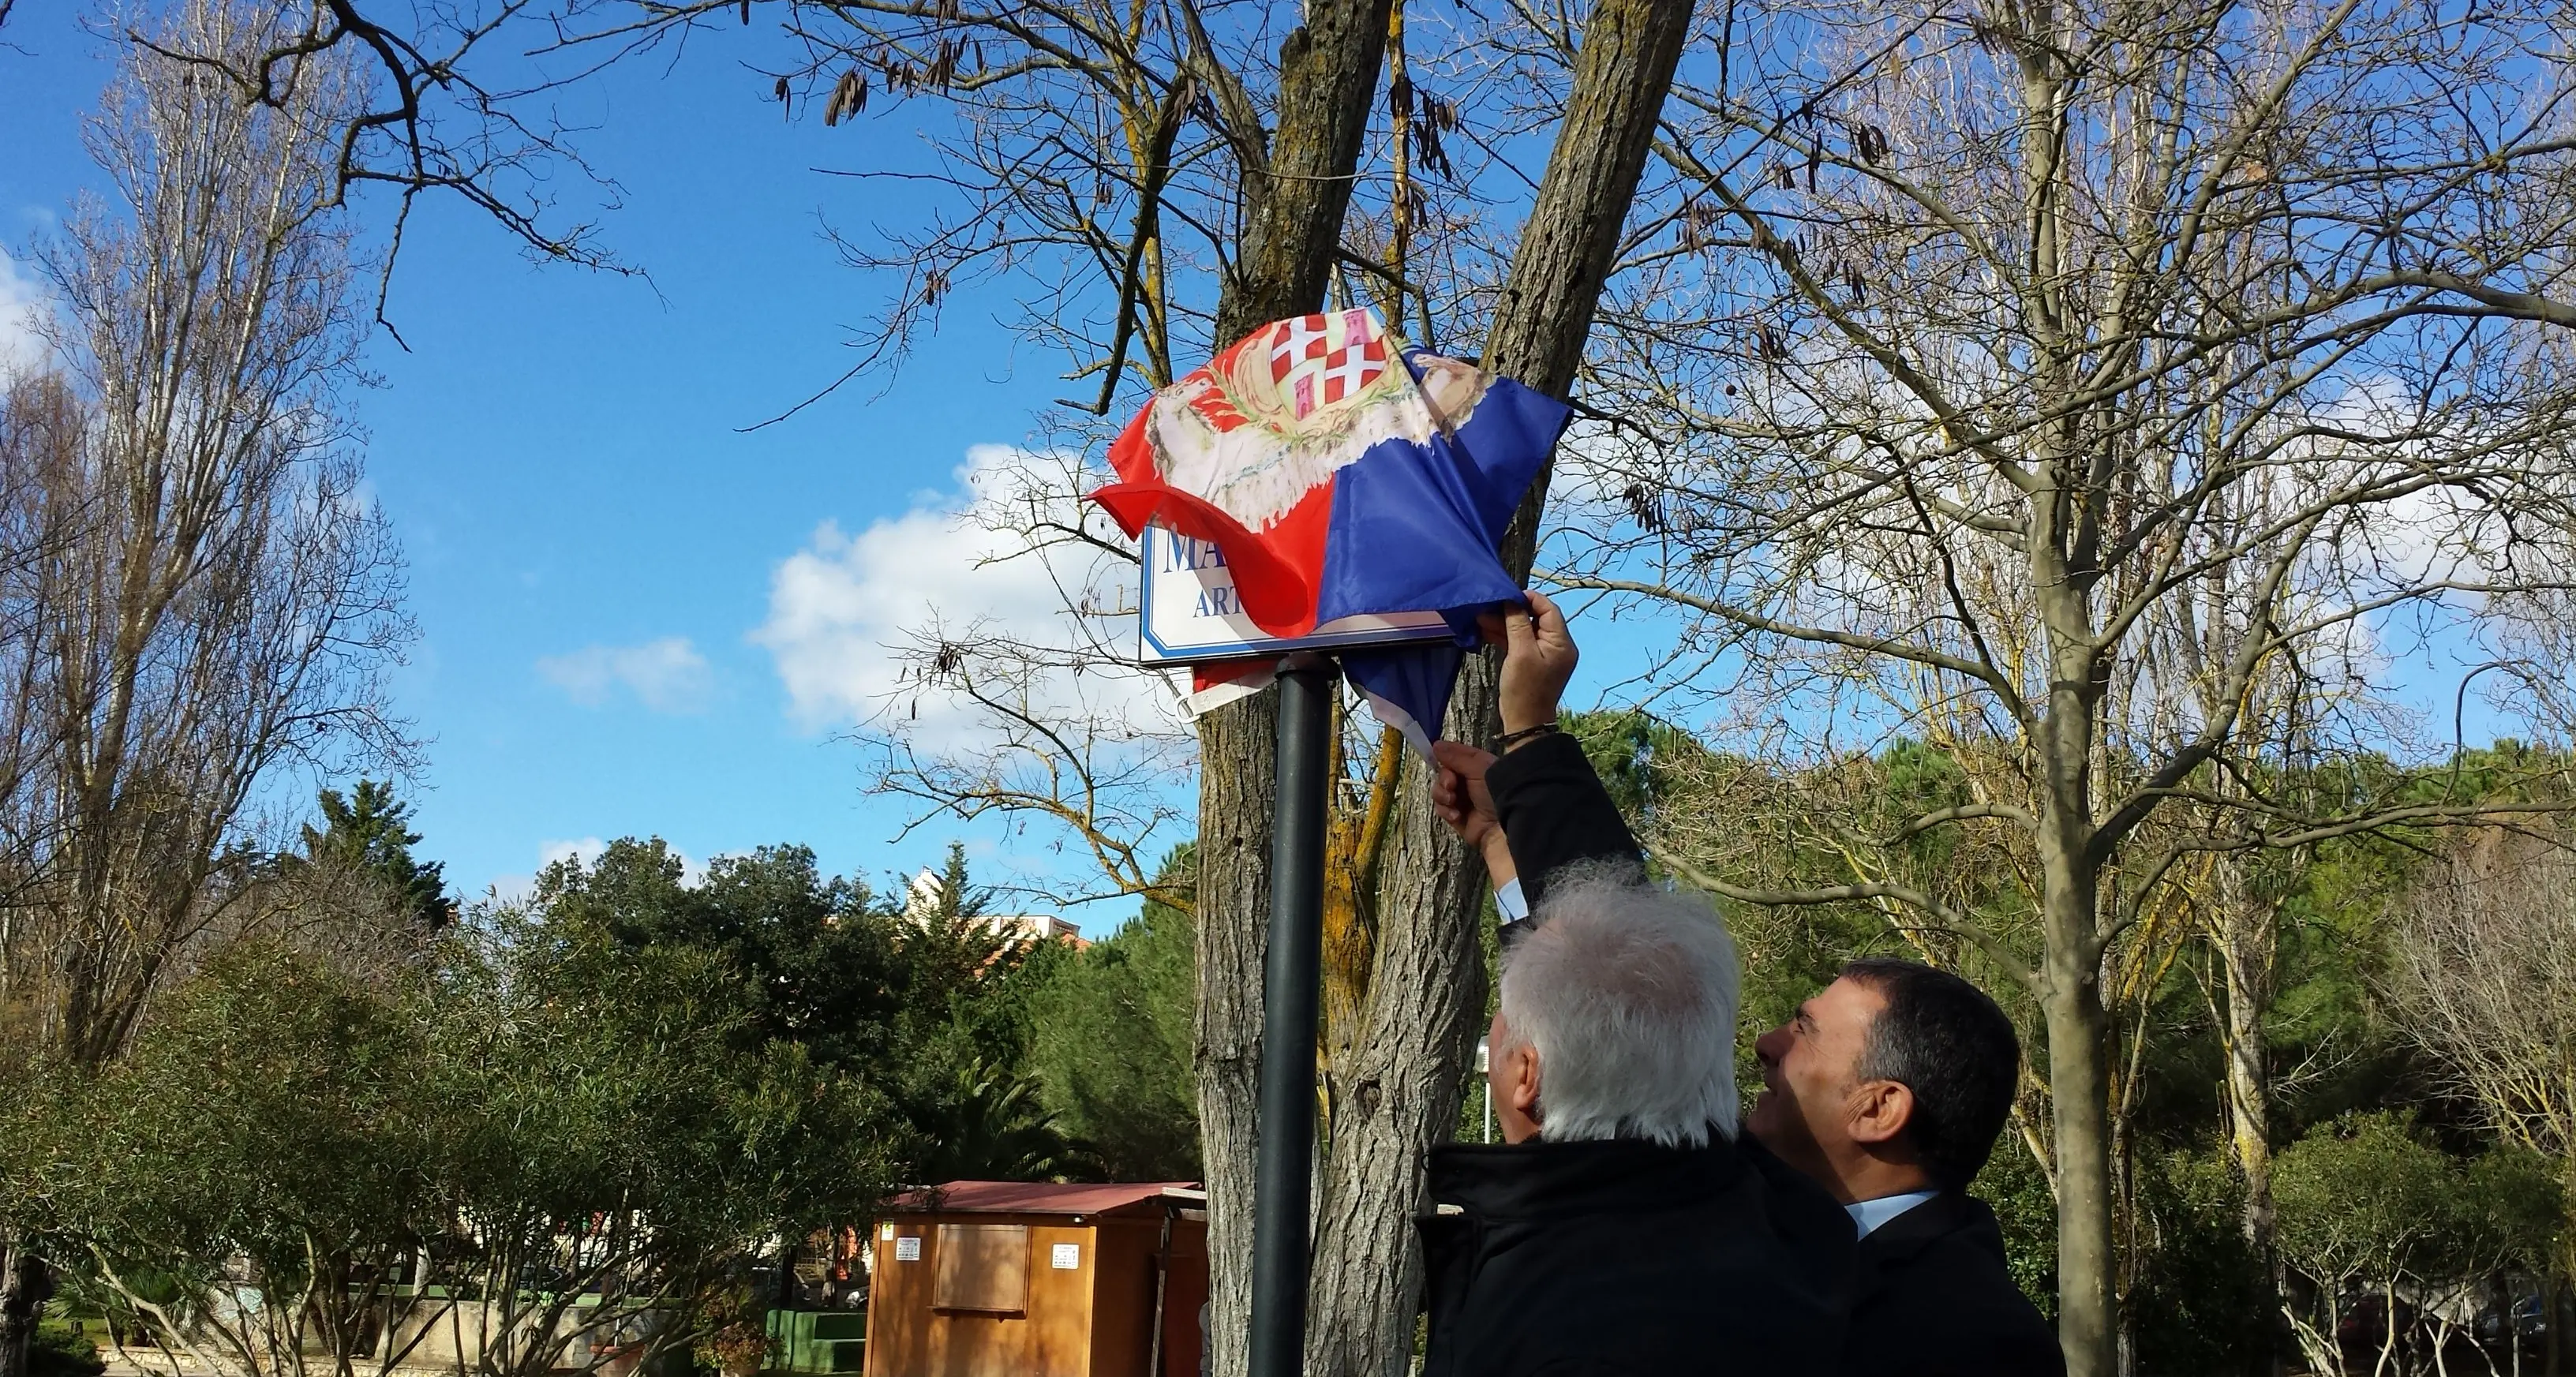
point(1190, 614)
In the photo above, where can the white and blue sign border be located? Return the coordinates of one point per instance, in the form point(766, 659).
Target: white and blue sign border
point(1196, 578)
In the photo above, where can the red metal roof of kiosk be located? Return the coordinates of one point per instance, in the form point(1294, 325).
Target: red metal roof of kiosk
point(1047, 1197)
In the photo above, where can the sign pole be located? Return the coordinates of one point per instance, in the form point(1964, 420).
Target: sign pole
point(1292, 980)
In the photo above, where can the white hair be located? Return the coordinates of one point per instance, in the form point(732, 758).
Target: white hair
point(1628, 993)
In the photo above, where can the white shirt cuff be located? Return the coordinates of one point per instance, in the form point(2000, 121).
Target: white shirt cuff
point(1509, 902)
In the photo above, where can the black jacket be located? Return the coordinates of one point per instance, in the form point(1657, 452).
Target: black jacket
point(1931, 1298)
point(1620, 1258)
point(1928, 1293)
point(1556, 813)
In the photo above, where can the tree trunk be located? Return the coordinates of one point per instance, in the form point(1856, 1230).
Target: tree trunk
point(1293, 217)
point(2249, 1093)
point(1327, 74)
point(1630, 48)
point(2078, 1063)
point(1403, 1082)
point(1406, 1067)
point(2388, 1314)
point(2553, 1308)
point(1399, 1089)
point(2245, 951)
point(2077, 1033)
point(25, 1285)
point(1237, 778)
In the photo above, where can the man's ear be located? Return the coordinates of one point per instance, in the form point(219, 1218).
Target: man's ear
point(1880, 1110)
point(1520, 1083)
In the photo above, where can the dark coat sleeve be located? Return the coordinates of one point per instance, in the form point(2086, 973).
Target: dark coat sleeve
point(1555, 812)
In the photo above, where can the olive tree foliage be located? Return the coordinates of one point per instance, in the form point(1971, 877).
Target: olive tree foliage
point(2368, 1208)
point(249, 1185)
point(2036, 381)
point(542, 1150)
point(633, 1141)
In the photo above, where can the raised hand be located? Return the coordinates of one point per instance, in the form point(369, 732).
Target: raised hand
point(1539, 656)
point(1458, 795)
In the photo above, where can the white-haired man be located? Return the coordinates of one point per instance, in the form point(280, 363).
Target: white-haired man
point(1617, 1228)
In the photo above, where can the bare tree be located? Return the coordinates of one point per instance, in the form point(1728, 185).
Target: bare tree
point(1062, 731)
point(435, 102)
point(2212, 858)
point(1161, 179)
point(2484, 968)
point(214, 603)
point(1999, 340)
point(43, 425)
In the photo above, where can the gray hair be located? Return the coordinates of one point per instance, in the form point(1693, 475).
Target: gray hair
point(1628, 992)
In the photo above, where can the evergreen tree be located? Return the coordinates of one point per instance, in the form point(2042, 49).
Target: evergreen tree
point(1113, 1041)
point(367, 832)
point(927, 1005)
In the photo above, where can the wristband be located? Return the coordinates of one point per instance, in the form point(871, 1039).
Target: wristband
point(1510, 739)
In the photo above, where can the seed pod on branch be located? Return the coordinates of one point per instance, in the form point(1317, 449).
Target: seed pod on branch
point(849, 97)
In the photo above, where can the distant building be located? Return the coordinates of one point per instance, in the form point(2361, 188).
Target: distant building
point(924, 901)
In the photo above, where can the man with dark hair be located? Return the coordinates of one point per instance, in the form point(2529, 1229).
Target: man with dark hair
point(1887, 1090)
point(1941, 1043)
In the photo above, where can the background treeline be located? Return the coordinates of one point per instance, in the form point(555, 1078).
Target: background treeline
point(593, 1116)
point(625, 1094)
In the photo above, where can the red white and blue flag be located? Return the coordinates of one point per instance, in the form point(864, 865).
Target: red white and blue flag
point(1341, 475)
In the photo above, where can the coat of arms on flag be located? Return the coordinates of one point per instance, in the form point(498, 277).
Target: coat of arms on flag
point(1338, 476)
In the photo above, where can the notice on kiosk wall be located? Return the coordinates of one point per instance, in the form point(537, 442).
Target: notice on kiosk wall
point(908, 1249)
point(1068, 1257)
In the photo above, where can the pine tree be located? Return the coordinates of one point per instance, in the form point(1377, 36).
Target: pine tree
point(367, 831)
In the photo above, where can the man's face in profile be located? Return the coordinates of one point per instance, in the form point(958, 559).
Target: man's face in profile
point(1808, 1066)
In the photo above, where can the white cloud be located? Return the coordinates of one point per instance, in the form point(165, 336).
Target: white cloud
point(584, 849)
point(850, 614)
point(668, 675)
point(513, 889)
point(23, 306)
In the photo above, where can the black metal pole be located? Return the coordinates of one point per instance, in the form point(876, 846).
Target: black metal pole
point(1292, 979)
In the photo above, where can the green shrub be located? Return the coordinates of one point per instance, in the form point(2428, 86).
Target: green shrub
point(2026, 1208)
point(61, 1348)
point(2202, 1302)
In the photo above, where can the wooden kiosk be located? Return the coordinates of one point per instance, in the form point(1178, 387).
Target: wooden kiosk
point(1015, 1279)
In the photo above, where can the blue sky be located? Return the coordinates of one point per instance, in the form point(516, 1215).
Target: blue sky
point(591, 541)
